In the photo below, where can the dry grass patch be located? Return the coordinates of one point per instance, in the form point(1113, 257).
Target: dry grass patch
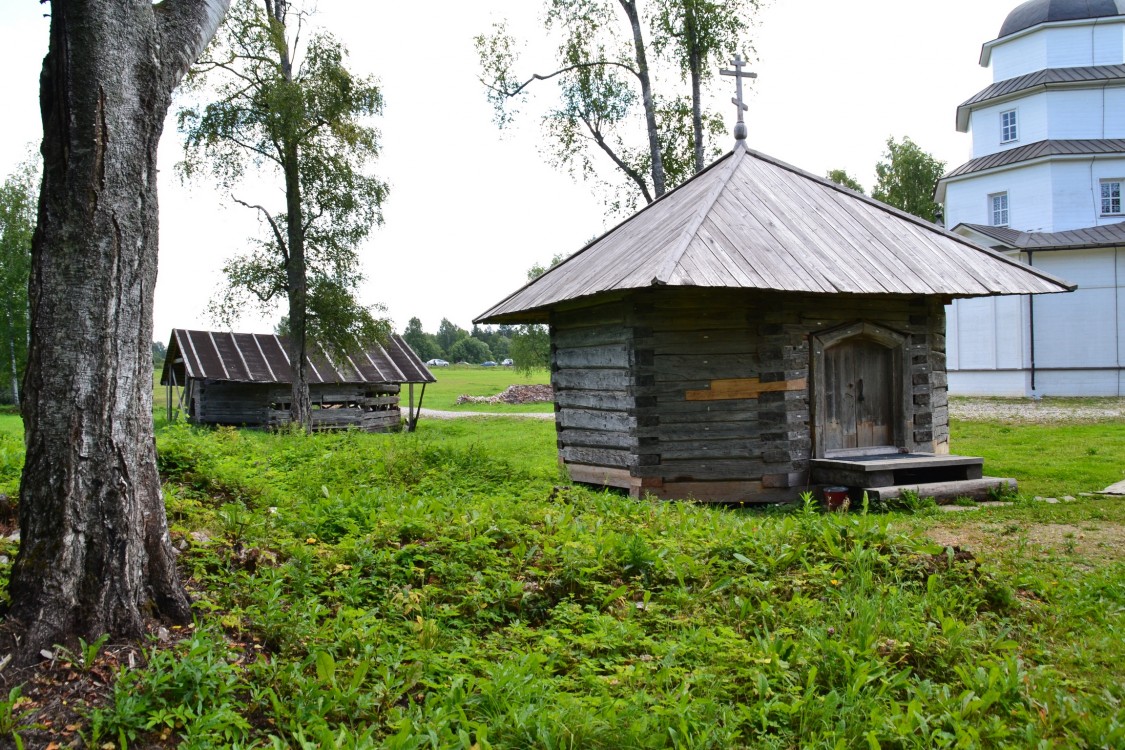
point(1094, 543)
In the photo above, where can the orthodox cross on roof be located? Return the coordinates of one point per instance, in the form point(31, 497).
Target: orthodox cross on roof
point(738, 62)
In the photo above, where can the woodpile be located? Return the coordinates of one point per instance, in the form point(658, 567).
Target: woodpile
point(513, 394)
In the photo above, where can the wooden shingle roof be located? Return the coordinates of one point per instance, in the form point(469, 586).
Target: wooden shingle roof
point(749, 221)
point(264, 358)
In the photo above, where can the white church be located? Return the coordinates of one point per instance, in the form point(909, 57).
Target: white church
point(1045, 183)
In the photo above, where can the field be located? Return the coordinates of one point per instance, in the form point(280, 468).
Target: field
point(473, 380)
point(447, 589)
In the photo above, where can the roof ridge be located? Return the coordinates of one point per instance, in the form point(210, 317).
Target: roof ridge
point(662, 276)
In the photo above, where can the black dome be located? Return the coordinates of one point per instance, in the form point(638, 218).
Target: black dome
point(1035, 12)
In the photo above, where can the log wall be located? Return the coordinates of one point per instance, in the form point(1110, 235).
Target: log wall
point(368, 407)
point(705, 393)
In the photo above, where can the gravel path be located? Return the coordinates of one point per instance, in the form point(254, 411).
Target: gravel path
point(970, 409)
point(1037, 411)
point(437, 414)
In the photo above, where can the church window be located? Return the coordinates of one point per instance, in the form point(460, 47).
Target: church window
point(998, 204)
point(1008, 131)
point(1111, 197)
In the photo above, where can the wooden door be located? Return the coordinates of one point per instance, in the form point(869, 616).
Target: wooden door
point(859, 397)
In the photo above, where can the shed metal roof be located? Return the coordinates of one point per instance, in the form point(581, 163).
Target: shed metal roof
point(749, 221)
point(1107, 235)
point(1038, 80)
point(264, 358)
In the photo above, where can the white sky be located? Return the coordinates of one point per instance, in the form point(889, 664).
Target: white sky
point(472, 208)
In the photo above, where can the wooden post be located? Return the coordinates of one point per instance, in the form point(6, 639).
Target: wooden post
point(410, 412)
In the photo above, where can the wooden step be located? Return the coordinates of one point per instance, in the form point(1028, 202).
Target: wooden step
point(893, 469)
point(942, 492)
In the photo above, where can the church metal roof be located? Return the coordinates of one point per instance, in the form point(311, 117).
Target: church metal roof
point(1037, 150)
point(1106, 235)
point(1039, 80)
point(264, 358)
point(752, 222)
point(1035, 12)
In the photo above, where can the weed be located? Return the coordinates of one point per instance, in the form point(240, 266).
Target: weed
point(87, 654)
point(13, 716)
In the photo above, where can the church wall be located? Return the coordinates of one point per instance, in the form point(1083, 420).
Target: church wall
point(1079, 113)
point(1059, 47)
point(986, 333)
point(1075, 192)
point(1060, 317)
point(1079, 337)
point(1031, 113)
point(1018, 56)
point(1029, 197)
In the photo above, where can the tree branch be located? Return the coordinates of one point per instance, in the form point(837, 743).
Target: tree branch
point(633, 174)
point(509, 93)
point(186, 28)
point(273, 225)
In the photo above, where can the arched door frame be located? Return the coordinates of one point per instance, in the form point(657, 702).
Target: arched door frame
point(900, 367)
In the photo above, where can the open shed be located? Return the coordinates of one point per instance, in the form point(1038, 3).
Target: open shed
point(246, 379)
point(757, 331)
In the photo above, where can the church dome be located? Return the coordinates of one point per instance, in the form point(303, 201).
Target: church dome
point(1035, 12)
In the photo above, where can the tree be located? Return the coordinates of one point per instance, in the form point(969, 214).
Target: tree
point(606, 77)
point(159, 352)
point(95, 556)
point(18, 199)
point(424, 344)
point(449, 334)
point(698, 34)
point(531, 349)
point(906, 179)
point(301, 117)
point(469, 349)
point(840, 177)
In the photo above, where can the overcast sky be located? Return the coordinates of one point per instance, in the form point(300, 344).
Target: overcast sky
point(472, 208)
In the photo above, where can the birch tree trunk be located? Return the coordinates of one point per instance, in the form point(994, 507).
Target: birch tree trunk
point(95, 556)
point(12, 353)
point(658, 180)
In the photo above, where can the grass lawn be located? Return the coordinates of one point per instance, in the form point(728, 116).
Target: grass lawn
point(445, 589)
point(1051, 460)
point(473, 380)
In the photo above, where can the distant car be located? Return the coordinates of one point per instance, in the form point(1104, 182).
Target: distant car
point(489, 363)
point(507, 362)
point(437, 363)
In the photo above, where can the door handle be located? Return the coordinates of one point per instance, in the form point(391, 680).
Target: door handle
point(859, 390)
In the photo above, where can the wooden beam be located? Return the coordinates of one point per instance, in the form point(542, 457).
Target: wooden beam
point(729, 389)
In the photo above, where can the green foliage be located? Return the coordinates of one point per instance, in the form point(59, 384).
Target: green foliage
point(449, 333)
point(906, 178)
point(531, 348)
point(19, 198)
point(452, 597)
point(841, 177)
point(424, 344)
point(14, 715)
point(302, 121)
point(538, 269)
point(84, 658)
point(444, 589)
point(470, 349)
